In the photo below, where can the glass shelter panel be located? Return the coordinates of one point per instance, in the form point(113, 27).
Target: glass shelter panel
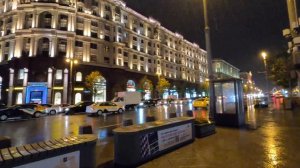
point(229, 98)
point(218, 95)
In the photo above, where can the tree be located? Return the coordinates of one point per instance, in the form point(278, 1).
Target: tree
point(162, 85)
point(279, 70)
point(91, 80)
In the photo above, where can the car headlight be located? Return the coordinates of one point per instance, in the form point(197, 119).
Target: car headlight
point(141, 104)
point(67, 109)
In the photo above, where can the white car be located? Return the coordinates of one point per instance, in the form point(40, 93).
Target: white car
point(104, 107)
point(52, 109)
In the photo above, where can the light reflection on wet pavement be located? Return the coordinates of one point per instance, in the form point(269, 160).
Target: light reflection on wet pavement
point(271, 138)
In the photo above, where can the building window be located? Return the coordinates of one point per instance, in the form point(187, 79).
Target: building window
point(107, 27)
point(106, 60)
point(19, 99)
point(106, 49)
point(77, 98)
point(78, 77)
point(93, 46)
point(57, 98)
point(93, 58)
point(21, 74)
point(58, 75)
point(78, 44)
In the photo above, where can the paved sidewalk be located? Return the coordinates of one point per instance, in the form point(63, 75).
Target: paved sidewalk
point(272, 141)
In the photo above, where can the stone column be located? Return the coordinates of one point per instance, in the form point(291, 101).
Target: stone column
point(25, 82)
point(11, 49)
point(18, 49)
point(49, 85)
point(31, 50)
point(10, 86)
point(65, 92)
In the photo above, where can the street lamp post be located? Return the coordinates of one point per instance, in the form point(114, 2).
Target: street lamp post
point(209, 62)
point(71, 61)
point(264, 56)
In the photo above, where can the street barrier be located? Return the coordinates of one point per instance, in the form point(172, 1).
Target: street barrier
point(138, 144)
point(127, 122)
point(150, 118)
point(85, 129)
point(172, 115)
point(190, 113)
point(5, 142)
point(69, 152)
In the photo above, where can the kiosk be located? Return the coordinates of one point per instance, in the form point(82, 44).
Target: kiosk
point(228, 104)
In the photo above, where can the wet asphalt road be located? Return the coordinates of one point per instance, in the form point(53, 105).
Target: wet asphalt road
point(271, 138)
point(51, 127)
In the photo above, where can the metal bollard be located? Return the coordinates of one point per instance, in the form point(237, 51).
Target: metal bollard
point(190, 113)
point(172, 115)
point(127, 122)
point(5, 142)
point(85, 129)
point(150, 118)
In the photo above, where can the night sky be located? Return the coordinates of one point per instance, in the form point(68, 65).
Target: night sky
point(240, 29)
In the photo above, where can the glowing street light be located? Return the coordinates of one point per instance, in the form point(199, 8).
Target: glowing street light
point(264, 55)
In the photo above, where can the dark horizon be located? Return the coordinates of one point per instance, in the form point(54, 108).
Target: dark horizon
point(240, 30)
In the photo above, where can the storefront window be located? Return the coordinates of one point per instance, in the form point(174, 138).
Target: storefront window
point(57, 98)
point(131, 86)
point(19, 98)
point(101, 90)
point(77, 98)
point(78, 77)
point(21, 74)
point(58, 75)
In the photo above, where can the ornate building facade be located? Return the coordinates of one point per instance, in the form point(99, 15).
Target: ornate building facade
point(37, 36)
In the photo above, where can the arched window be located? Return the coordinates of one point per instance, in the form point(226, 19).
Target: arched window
point(78, 77)
point(1, 87)
point(77, 98)
point(57, 98)
point(19, 99)
point(45, 19)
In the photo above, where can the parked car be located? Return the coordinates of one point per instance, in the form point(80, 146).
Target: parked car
point(2, 106)
point(261, 102)
point(37, 107)
point(52, 109)
point(19, 111)
point(78, 107)
point(201, 103)
point(182, 101)
point(103, 108)
point(147, 103)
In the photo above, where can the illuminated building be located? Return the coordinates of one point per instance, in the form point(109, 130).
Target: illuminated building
point(105, 35)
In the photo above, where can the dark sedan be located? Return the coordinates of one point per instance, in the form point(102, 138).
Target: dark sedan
point(78, 107)
point(2, 106)
point(147, 103)
point(18, 111)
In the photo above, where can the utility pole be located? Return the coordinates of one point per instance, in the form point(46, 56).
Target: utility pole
point(209, 60)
